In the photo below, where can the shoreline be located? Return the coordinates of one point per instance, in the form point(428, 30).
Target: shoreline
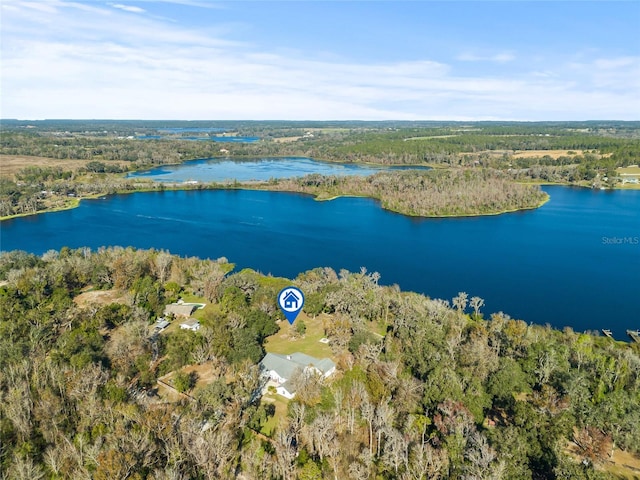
point(252, 186)
point(335, 197)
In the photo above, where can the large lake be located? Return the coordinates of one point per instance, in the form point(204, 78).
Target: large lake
point(575, 261)
point(225, 169)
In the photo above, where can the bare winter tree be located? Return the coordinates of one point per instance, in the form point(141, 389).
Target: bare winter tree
point(476, 303)
point(460, 301)
point(481, 461)
point(382, 422)
point(396, 450)
point(162, 264)
point(285, 454)
point(426, 462)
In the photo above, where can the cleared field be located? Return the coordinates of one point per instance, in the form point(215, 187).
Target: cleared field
point(284, 342)
point(12, 164)
point(286, 139)
point(550, 153)
point(632, 170)
point(206, 373)
point(101, 298)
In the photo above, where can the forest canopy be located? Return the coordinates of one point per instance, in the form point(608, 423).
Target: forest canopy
point(424, 388)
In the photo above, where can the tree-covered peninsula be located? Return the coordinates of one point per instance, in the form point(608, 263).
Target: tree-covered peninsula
point(432, 193)
point(91, 386)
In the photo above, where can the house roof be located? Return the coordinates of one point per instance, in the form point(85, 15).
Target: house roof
point(161, 324)
point(191, 322)
point(289, 387)
point(285, 365)
point(179, 310)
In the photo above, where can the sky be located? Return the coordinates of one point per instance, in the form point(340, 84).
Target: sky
point(313, 60)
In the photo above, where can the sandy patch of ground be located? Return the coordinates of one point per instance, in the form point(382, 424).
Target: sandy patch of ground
point(101, 297)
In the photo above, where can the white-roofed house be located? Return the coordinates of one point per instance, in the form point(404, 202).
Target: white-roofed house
point(281, 368)
point(190, 324)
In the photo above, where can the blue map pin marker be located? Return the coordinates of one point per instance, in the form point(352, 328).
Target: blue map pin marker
point(291, 300)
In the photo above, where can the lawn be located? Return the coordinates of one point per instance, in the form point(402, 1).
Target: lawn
point(284, 342)
point(631, 170)
point(12, 164)
point(281, 404)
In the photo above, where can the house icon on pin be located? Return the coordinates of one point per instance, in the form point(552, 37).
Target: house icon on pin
point(291, 300)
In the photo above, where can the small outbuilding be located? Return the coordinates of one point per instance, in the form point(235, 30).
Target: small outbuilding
point(160, 324)
point(190, 324)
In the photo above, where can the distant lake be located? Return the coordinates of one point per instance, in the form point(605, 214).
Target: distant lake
point(235, 139)
point(191, 130)
point(575, 261)
point(200, 138)
point(224, 169)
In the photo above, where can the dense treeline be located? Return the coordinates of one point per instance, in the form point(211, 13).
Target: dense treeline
point(426, 193)
point(142, 152)
point(444, 392)
point(344, 142)
point(42, 193)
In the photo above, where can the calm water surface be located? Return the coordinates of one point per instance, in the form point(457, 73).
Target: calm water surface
point(575, 261)
point(224, 169)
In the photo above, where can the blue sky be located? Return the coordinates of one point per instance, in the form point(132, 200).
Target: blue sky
point(334, 60)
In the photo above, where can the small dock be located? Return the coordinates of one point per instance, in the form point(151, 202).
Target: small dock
point(635, 335)
point(607, 332)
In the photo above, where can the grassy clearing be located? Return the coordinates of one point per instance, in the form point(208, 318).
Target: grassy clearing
point(555, 154)
point(284, 342)
point(281, 404)
point(623, 465)
point(542, 153)
point(12, 164)
point(631, 170)
point(200, 313)
point(101, 297)
point(205, 375)
point(286, 139)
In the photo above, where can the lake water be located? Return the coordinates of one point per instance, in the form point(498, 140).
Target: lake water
point(235, 139)
point(224, 169)
point(575, 261)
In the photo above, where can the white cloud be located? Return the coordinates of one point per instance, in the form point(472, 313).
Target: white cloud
point(190, 3)
point(498, 57)
point(128, 8)
point(77, 61)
